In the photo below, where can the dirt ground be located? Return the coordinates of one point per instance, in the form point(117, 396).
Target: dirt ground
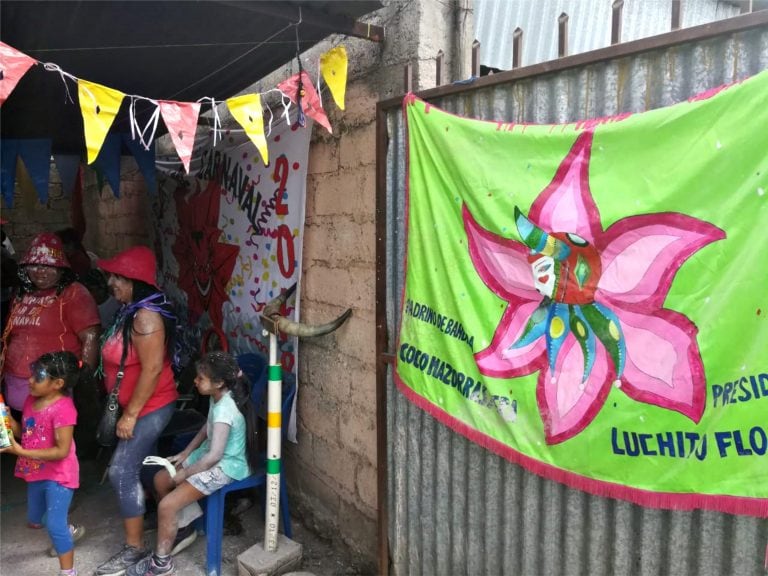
point(23, 550)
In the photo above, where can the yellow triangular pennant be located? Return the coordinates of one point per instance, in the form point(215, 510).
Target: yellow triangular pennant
point(246, 109)
point(333, 67)
point(99, 106)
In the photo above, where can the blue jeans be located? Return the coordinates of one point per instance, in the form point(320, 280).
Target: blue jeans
point(127, 461)
point(49, 498)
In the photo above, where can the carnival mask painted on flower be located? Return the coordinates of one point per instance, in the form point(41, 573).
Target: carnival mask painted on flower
point(566, 270)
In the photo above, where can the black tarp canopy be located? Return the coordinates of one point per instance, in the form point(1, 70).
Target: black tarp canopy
point(172, 50)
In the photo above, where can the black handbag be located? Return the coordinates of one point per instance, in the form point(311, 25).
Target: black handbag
point(106, 431)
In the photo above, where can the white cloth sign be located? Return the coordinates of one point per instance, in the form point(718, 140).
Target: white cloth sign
point(229, 235)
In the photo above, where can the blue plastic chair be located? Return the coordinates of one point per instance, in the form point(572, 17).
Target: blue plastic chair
point(255, 367)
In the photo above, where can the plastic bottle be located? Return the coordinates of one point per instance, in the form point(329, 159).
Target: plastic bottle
point(5, 425)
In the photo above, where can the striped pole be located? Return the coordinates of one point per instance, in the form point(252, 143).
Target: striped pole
point(274, 432)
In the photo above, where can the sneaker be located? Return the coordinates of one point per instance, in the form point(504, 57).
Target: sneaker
point(148, 567)
point(122, 561)
point(77, 531)
point(184, 539)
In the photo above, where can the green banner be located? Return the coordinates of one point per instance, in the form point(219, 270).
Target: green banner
point(590, 300)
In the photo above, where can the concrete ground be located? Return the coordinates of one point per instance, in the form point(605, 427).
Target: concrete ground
point(23, 551)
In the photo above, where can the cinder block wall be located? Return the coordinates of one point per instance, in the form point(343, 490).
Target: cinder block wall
point(332, 470)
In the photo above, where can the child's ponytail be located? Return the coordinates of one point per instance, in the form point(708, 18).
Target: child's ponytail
point(64, 365)
point(241, 394)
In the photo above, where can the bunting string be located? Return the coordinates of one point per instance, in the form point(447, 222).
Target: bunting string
point(100, 104)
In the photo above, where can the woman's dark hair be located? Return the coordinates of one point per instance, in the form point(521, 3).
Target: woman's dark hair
point(64, 365)
point(26, 285)
point(222, 367)
point(142, 290)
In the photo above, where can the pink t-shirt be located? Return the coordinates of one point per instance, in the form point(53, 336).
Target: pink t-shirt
point(38, 431)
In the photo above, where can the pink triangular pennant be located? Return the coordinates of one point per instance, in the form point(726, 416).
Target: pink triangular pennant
point(181, 120)
point(310, 103)
point(13, 65)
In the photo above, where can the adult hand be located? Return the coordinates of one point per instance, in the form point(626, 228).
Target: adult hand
point(125, 427)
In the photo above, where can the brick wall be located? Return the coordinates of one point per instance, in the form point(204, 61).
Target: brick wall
point(112, 224)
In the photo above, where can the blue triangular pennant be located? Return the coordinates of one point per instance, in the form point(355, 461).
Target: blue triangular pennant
point(67, 165)
point(8, 153)
point(145, 159)
point(108, 162)
point(36, 155)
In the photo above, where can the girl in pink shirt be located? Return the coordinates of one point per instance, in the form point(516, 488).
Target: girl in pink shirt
point(46, 455)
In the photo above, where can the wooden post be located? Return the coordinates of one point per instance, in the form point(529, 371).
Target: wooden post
point(676, 5)
point(408, 78)
point(617, 7)
point(439, 68)
point(476, 59)
point(517, 47)
point(562, 35)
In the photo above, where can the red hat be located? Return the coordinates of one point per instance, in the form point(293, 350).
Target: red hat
point(137, 263)
point(46, 250)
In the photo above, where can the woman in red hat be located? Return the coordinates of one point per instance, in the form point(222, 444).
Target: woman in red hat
point(51, 312)
point(143, 335)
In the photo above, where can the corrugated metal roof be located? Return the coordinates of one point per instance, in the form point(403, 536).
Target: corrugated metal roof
point(589, 25)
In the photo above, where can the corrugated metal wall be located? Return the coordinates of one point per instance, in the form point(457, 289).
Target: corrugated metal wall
point(455, 508)
point(496, 20)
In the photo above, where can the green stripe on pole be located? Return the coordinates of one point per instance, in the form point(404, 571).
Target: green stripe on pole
point(275, 373)
point(273, 465)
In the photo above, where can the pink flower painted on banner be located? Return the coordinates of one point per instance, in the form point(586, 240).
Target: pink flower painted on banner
point(585, 305)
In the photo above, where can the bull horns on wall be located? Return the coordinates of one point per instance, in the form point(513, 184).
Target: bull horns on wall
point(272, 321)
